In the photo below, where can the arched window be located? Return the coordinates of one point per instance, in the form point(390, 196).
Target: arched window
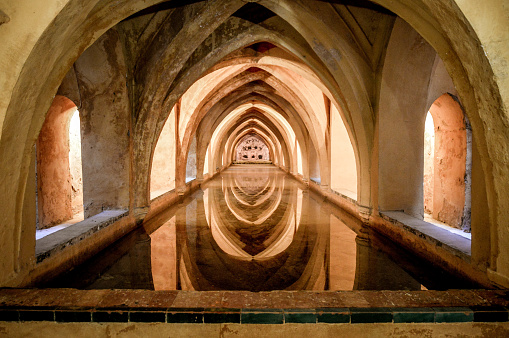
point(59, 169)
point(447, 164)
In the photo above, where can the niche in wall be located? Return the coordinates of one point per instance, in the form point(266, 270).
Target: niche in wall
point(252, 149)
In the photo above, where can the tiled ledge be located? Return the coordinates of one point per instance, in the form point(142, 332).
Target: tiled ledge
point(262, 316)
point(277, 307)
point(57, 241)
point(456, 244)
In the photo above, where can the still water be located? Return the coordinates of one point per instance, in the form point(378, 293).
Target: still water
point(256, 228)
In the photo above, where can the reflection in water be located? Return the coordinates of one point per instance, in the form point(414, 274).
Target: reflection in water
point(253, 228)
point(262, 236)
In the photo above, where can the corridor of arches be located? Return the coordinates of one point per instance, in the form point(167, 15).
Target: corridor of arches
point(282, 137)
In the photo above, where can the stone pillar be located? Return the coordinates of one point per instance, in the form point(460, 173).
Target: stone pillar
point(200, 157)
point(180, 164)
point(402, 111)
point(105, 125)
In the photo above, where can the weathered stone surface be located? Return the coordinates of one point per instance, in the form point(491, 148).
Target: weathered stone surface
point(105, 126)
point(53, 244)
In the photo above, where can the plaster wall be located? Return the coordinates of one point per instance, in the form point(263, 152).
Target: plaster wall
point(309, 94)
point(489, 21)
point(311, 98)
point(206, 161)
point(300, 170)
point(199, 95)
point(105, 125)
point(29, 216)
point(343, 166)
point(264, 133)
point(482, 244)
point(278, 136)
point(162, 175)
point(440, 82)
point(441, 85)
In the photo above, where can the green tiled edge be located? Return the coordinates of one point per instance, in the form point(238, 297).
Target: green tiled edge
point(303, 316)
point(333, 315)
point(262, 316)
point(454, 315)
point(370, 315)
point(413, 315)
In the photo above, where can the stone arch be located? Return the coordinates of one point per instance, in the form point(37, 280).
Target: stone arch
point(246, 36)
point(445, 27)
point(265, 133)
point(437, 21)
point(228, 135)
point(243, 123)
point(214, 117)
point(307, 113)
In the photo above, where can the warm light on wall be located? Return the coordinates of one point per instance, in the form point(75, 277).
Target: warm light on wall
point(75, 166)
point(429, 128)
point(429, 155)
